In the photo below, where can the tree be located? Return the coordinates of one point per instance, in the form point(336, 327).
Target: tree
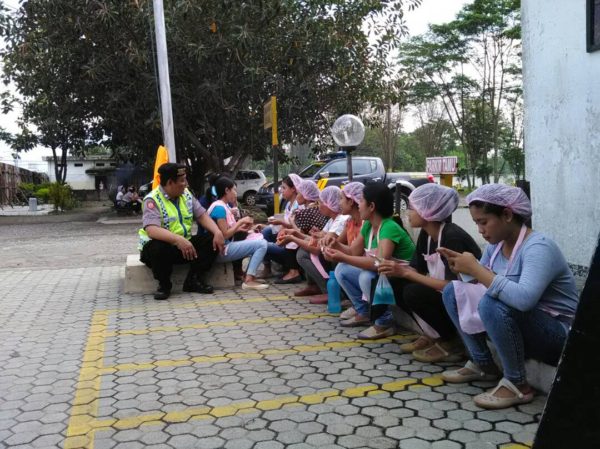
point(473, 59)
point(226, 58)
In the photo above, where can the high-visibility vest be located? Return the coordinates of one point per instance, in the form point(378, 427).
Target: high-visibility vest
point(175, 217)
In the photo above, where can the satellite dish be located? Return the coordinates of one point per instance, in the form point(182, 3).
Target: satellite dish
point(348, 131)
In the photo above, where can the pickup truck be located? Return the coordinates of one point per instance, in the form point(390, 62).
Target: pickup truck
point(366, 169)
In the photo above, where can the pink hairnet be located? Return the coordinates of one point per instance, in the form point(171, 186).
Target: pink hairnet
point(330, 197)
point(354, 191)
point(433, 202)
point(309, 190)
point(297, 180)
point(512, 198)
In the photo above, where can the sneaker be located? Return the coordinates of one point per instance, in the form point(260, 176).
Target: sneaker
point(348, 313)
point(420, 343)
point(253, 285)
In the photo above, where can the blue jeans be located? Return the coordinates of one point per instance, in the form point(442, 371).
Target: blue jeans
point(268, 235)
point(256, 249)
point(516, 335)
point(356, 282)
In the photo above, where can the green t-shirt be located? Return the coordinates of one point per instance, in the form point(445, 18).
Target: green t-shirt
point(404, 246)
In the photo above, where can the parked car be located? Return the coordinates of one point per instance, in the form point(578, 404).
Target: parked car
point(248, 184)
point(365, 169)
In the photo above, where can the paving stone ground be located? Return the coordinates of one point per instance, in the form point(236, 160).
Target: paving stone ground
point(83, 365)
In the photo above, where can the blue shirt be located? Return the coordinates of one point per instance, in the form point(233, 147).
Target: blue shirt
point(539, 277)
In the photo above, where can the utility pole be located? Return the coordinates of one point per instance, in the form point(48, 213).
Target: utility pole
point(163, 76)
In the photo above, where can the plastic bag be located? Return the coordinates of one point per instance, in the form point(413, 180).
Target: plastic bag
point(384, 295)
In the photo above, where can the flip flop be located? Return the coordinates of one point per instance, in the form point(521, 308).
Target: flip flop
point(491, 402)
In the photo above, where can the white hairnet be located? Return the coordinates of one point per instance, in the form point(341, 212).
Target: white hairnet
point(512, 198)
point(330, 197)
point(354, 191)
point(309, 190)
point(297, 180)
point(433, 202)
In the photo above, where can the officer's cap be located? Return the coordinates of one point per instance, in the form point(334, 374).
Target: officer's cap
point(170, 171)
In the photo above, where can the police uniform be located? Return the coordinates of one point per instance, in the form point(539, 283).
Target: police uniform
point(177, 216)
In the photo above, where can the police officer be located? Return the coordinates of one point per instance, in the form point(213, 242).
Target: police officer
point(166, 236)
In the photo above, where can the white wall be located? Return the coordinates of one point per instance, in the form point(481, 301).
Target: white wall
point(562, 125)
point(76, 176)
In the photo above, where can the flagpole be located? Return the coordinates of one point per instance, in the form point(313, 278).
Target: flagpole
point(163, 76)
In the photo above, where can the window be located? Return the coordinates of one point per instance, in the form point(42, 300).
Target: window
point(78, 164)
point(99, 164)
point(362, 166)
point(593, 25)
point(241, 175)
point(253, 175)
point(337, 169)
point(113, 164)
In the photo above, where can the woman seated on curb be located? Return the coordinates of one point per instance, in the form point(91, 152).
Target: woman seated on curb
point(430, 206)
point(350, 197)
point(309, 255)
point(220, 211)
point(524, 301)
point(276, 252)
point(380, 236)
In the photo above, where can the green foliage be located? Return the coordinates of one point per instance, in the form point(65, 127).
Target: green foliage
point(471, 65)
point(87, 72)
point(61, 196)
point(43, 194)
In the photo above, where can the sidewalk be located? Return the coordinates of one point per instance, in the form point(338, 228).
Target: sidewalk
point(84, 366)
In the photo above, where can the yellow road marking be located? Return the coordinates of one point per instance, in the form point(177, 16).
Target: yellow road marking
point(85, 405)
point(186, 361)
point(217, 324)
point(198, 413)
point(195, 305)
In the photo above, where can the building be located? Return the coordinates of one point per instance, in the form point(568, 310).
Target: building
point(97, 177)
point(561, 75)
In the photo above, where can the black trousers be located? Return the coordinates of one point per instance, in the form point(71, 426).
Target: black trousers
point(161, 256)
point(427, 303)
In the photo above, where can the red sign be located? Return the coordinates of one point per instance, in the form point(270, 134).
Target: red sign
point(446, 165)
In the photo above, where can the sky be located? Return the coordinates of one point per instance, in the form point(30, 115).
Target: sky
point(430, 11)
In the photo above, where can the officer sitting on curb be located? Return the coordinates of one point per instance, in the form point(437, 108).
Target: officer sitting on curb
point(166, 235)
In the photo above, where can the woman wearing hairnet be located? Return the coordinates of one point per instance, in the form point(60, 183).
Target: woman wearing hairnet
point(524, 300)
point(381, 237)
point(309, 255)
point(430, 207)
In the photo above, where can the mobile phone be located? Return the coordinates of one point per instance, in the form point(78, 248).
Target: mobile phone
point(465, 277)
point(374, 256)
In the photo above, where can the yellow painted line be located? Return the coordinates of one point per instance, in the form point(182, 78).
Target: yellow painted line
point(186, 361)
point(232, 409)
point(195, 305)
point(87, 393)
point(219, 324)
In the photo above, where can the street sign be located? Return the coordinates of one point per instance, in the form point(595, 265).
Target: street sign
point(446, 165)
point(267, 119)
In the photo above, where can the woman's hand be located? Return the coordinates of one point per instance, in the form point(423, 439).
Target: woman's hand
point(460, 262)
point(329, 241)
point(395, 269)
point(284, 239)
point(332, 255)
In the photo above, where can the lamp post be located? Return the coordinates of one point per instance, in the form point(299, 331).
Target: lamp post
point(348, 132)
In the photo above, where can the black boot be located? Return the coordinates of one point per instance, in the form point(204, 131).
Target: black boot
point(194, 285)
point(163, 291)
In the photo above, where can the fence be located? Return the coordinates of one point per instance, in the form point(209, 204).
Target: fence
point(11, 177)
